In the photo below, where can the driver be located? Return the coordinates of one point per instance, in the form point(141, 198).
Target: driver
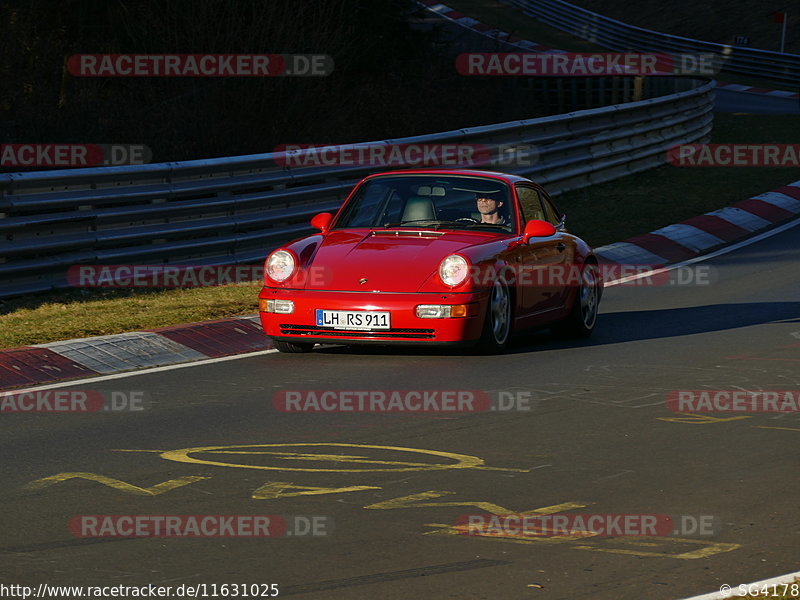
point(489, 204)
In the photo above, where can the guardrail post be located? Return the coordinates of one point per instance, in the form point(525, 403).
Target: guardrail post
point(638, 82)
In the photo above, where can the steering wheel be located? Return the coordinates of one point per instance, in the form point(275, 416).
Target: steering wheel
point(467, 219)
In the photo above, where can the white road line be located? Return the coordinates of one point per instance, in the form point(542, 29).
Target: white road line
point(733, 591)
point(73, 382)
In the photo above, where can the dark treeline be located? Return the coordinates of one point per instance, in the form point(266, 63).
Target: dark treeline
point(391, 79)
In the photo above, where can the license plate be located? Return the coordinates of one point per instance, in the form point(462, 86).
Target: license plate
point(359, 320)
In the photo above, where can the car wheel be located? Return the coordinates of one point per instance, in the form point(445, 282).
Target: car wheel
point(497, 323)
point(583, 316)
point(292, 347)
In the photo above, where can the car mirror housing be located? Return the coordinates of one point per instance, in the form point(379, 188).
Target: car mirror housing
point(537, 228)
point(322, 221)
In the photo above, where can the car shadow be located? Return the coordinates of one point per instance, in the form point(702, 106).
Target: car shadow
point(636, 325)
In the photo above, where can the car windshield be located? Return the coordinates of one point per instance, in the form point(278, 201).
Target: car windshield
point(430, 202)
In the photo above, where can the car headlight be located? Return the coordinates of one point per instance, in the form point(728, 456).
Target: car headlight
point(280, 265)
point(454, 270)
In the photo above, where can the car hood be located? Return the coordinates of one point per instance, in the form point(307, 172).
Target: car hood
point(389, 260)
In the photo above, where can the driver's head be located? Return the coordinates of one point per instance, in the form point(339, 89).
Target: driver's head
point(488, 202)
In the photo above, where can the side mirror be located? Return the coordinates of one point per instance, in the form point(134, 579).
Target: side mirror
point(536, 228)
point(322, 221)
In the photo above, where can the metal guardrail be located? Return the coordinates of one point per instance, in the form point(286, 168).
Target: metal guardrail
point(234, 210)
point(619, 36)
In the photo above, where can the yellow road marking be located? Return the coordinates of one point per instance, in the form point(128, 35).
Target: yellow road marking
point(277, 489)
point(449, 529)
point(783, 428)
point(416, 500)
point(297, 455)
point(485, 468)
point(695, 419)
point(331, 457)
point(555, 508)
point(122, 486)
point(462, 461)
point(445, 529)
point(708, 549)
point(350, 459)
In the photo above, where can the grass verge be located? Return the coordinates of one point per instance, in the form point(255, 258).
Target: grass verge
point(70, 314)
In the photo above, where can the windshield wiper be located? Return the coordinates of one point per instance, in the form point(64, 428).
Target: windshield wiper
point(435, 223)
point(504, 225)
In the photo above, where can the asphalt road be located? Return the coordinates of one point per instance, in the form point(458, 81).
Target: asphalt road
point(598, 439)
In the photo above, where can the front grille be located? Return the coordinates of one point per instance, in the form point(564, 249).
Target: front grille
point(398, 334)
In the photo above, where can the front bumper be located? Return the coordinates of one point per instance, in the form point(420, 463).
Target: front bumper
point(406, 327)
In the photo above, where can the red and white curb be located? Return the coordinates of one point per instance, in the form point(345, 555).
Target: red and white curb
point(738, 87)
point(476, 26)
point(735, 591)
point(704, 233)
point(485, 30)
point(102, 355)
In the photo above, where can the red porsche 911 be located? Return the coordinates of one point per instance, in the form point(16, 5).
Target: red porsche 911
point(432, 257)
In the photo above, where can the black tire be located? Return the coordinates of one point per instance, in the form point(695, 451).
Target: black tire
point(583, 317)
point(497, 322)
point(293, 347)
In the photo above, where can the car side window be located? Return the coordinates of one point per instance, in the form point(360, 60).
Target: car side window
point(530, 203)
point(552, 214)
